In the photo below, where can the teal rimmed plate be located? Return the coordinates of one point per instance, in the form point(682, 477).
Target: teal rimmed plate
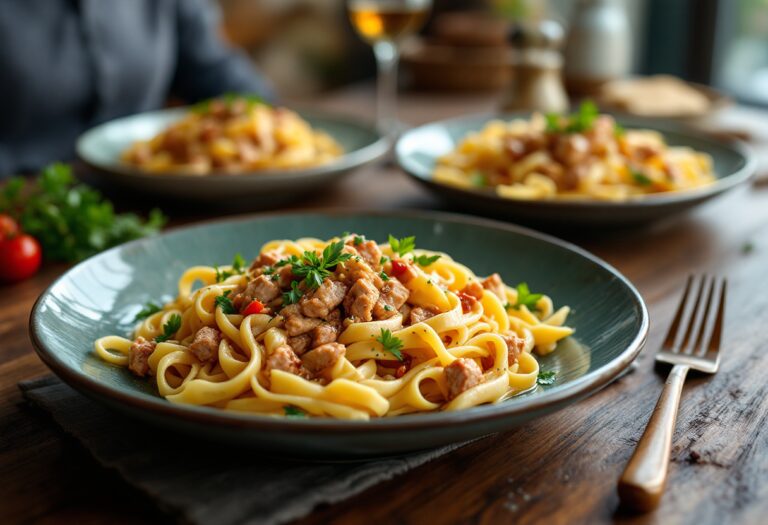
point(100, 148)
point(418, 149)
point(101, 295)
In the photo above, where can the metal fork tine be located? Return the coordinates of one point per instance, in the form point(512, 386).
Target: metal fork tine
point(717, 331)
point(698, 346)
point(669, 342)
point(693, 317)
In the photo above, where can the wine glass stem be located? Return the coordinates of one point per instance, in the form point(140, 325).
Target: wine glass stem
point(387, 57)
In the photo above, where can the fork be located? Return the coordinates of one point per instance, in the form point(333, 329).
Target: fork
point(642, 483)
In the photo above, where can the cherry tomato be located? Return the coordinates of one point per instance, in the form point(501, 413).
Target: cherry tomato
point(20, 257)
point(398, 268)
point(8, 226)
point(254, 308)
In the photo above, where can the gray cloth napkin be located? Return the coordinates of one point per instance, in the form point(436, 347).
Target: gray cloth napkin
point(187, 480)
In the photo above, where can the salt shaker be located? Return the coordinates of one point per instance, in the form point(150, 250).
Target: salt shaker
point(537, 83)
point(598, 46)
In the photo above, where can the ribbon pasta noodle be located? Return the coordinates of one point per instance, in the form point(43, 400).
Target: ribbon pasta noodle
point(346, 329)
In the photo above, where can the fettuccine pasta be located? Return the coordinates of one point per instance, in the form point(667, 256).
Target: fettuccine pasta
point(345, 329)
point(584, 156)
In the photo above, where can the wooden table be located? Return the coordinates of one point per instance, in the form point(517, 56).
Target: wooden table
point(558, 469)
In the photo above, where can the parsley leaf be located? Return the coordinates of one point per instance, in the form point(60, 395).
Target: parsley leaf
point(314, 269)
point(478, 179)
point(641, 178)
point(292, 411)
point(71, 221)
point(170, 328)
point(402, 246)
point(384, 276)
point(225, 303)
point(383, 259)
point(293, 295)
point(358, 240)
point(426, 260)
point(149, 309)
point(525, 297)
point(290, 260)
point(391, 343)
point(579, 122)
point(238, 267)
point(546, 378)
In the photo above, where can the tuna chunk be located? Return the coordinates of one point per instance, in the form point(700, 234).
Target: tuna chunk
point(324, 334)
point(138, 356)
point(361, 299)
point(283, 358)
point(474, 289)
point(325, 299)
point(300, 343)
point(515, 346)
point(262, 289)
point(494, 284)
point(266, 259)
point(295, 322)
point(322, 357)
point(392, 296)
point(356, 268)
point(419, 314)
point(461, 375)
point(205, 345)
point(370, 253)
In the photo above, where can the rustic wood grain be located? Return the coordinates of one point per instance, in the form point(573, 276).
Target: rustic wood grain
point(559, 469)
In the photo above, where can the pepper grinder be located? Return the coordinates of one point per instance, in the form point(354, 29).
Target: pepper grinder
point(537, 83)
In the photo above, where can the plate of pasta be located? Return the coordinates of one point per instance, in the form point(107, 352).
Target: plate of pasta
point(234, 147)
point(584, 167)
point(340, 333)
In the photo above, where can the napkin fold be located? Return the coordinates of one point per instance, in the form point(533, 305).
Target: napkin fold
point(199, 482)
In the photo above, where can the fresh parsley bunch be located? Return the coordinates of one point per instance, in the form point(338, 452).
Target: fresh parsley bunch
point(579, 122)
point(71, 221)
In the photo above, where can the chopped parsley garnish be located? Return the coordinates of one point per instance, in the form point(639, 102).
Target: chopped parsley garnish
point(358, 240)
point(579, 122)
point(383, 259)
point(391, 343)
point(425, 260)
point(384, 276)
point(290, 260)
point(170, 328)
point(478, 179)
point(268, 270)
point(508, 306)
point(238, 267)
point(149, 309)
point(388, 308)
point(225, 303)
point(525, 297)
point(402, 246)
point(292, 411)
point(546, 378)
point(641, 178)
point(293, 295)
point(314, 269)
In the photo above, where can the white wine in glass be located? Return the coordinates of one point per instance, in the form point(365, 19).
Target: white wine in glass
point(384, 24)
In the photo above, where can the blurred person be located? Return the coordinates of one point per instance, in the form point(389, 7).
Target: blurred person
point(67, 65)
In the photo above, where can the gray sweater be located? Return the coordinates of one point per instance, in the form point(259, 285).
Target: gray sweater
point(66, 65)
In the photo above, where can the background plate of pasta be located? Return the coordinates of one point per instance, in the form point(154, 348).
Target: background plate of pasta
point(584, 167)
point(340, 333)
point(233, 147)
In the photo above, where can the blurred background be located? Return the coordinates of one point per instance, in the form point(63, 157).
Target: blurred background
point(308, 46)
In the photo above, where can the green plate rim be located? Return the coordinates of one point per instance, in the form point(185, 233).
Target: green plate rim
point(576, 389)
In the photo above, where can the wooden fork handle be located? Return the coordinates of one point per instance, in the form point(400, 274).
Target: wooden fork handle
point(642, 483)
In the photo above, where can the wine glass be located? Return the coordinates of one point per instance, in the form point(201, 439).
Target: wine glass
point(385, 24)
